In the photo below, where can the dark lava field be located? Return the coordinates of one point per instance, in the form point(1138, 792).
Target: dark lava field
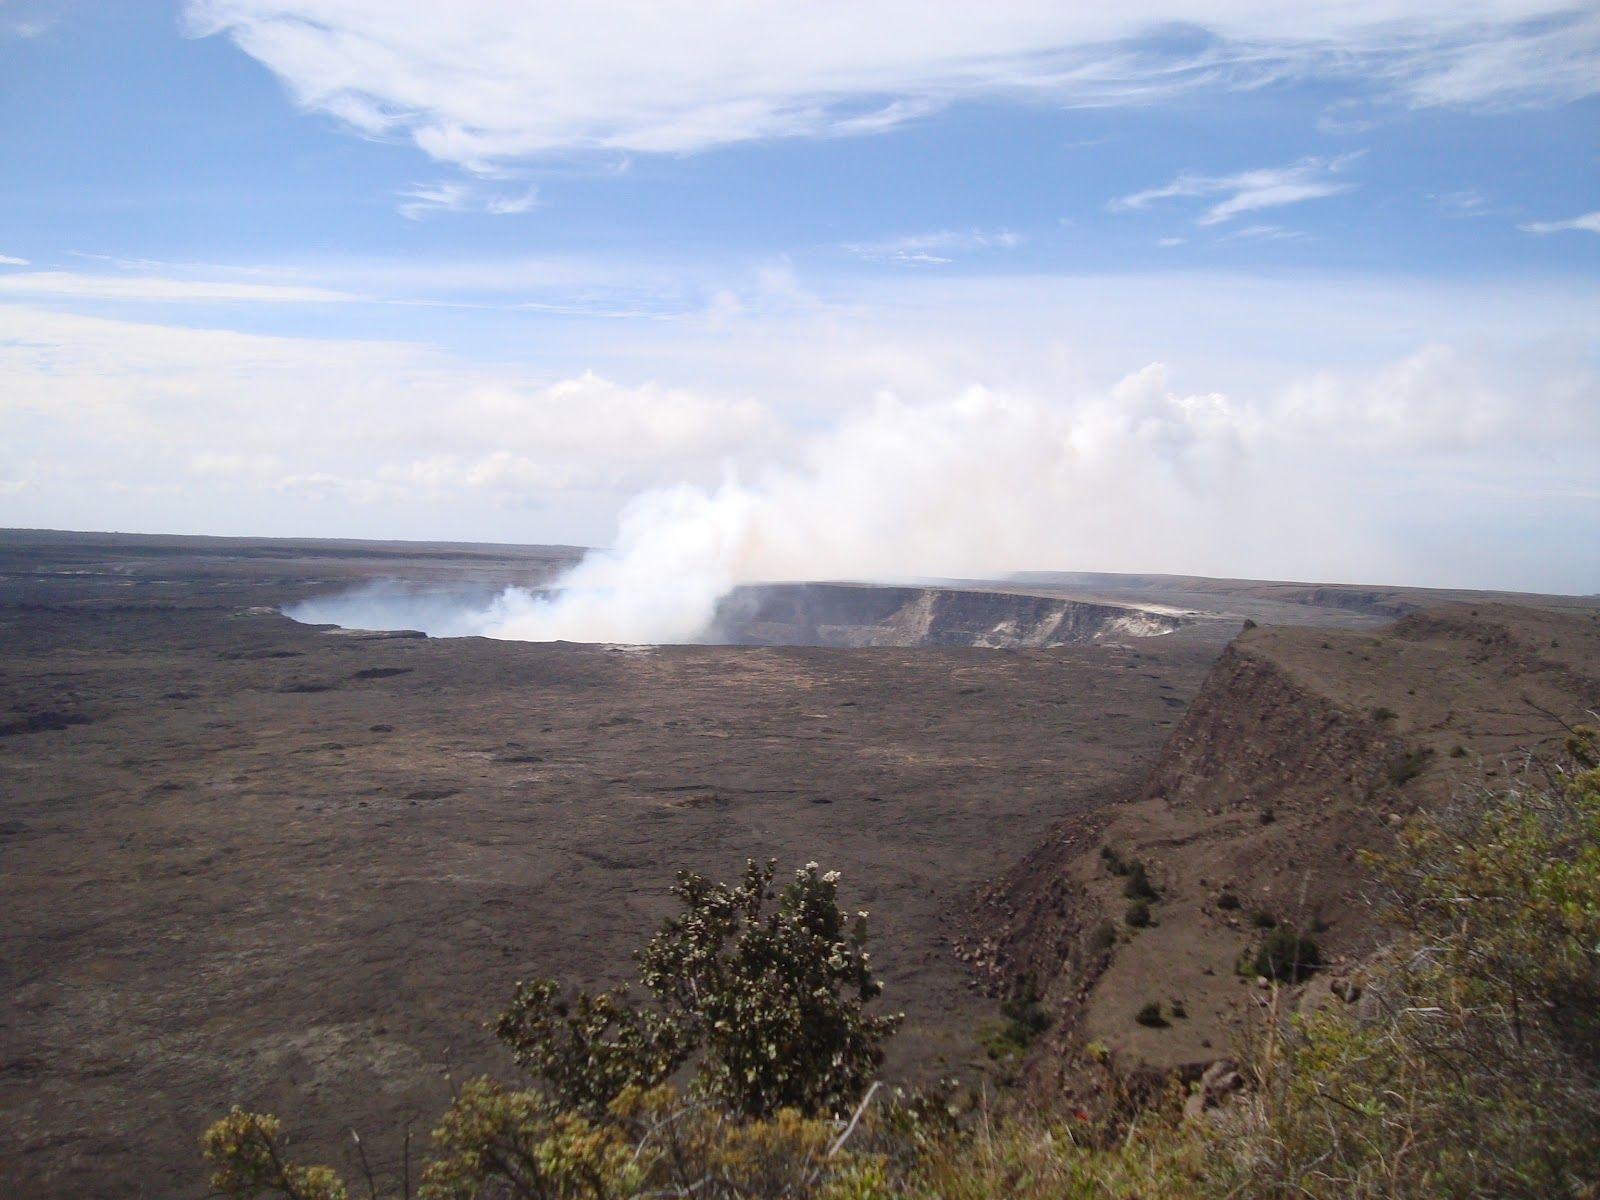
point(244, 860)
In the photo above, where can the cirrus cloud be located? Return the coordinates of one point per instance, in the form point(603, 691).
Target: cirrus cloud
point(164, 289)
point(483, 82)
point(1587, 223)
point(1248, 191)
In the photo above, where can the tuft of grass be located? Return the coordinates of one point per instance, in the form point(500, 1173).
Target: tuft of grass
point(1101, 938)
point(1138, 915)
point(1139, 886)
point(1150, 1015)
point(1402, 770)
point(1113, 860)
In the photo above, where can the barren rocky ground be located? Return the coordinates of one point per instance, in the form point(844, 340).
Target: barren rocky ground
point(248, 861)
point(245, 860)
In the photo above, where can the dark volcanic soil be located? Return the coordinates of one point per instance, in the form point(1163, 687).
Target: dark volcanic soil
point(248, 861)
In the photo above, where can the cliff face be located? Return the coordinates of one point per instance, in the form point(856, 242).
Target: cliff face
point(845, 615)
point(1303, 747)
point(1257, 739)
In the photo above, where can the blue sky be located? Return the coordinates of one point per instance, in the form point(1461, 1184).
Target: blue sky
point(496, 273)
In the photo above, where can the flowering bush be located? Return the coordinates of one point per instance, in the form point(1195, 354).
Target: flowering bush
point(763, 990)
point(766, 990)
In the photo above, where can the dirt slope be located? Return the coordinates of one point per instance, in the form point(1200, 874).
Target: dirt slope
point(1304, 746)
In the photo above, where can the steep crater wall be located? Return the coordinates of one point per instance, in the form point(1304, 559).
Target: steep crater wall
point(849, 615)
point(840, 615)
point(1304, 747)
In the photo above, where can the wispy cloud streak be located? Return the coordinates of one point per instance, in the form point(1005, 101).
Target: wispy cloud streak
point(482, 83)
point(1587, 223)
point(1248, 191)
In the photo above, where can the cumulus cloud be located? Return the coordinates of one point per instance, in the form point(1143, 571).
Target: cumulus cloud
point(979, 485)
point(1587, 223)
point(937, 426)
point(1248, 191)
point(986, 484)
point(1438, 400)
point(482, 82)
point(252, 417)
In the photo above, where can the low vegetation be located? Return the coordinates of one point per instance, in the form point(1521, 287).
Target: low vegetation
point(1469, 1066)
point(1286, 956)
point(1150, 1014)
point(1025, 1019)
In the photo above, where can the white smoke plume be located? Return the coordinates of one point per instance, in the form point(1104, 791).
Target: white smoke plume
point(980, 486)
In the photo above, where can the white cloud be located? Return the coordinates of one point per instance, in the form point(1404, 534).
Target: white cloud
point(1263, 233)
point(1464, 202)
point(1587, 223)
point(455, 196)
point(164, 289)
point(1540, 60)
point(1248, 191)
point(7, 260)
point(483, 82)
point(241, 417)
point(1439, 400)
point(933, 248)
point(977, 486)
point(29, 27)
point(963, 400)
point(1344, 126)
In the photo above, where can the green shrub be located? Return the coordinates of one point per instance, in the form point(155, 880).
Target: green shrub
point(1287, 956)
point(1025, 1019)
point(1138, 915)
point(763, 991)
point(1227, 901)
point(1477, 1073)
